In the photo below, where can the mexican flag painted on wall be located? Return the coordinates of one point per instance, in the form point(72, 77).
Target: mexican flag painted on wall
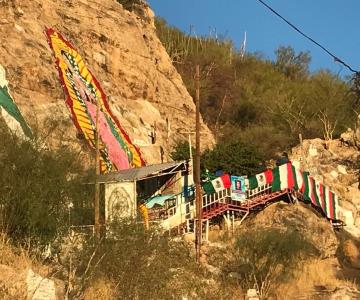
point(8, 108)
point(217, 184)
point(261, 179)
point(283, 178)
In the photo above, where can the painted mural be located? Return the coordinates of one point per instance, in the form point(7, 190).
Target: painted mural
point(83, 92)
point(9, 110)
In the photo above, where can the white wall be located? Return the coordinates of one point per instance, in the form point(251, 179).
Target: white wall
point(120, 200)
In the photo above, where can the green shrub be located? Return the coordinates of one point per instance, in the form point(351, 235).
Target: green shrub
point(139, 263)
point(181, 151)
point(35, 189)
point(234, 157)
point(266, 257)
point(129, 4)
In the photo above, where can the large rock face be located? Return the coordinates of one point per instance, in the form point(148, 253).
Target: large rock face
point(122, 51)
point(336, 166)
point(299, 217)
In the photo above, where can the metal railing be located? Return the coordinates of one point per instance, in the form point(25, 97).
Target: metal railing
point(218, 197)
point(259, 190)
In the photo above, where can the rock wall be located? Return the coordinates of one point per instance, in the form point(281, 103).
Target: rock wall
point(123, 52)
point(338, 167)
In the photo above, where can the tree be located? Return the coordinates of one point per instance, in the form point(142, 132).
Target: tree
point(262, 103)
point(181, 151)
point(291, 64)
point(234, 157)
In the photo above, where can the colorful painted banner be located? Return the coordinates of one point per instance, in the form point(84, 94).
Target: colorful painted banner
point(9, 110)
point(238, 188)
point(83, 93)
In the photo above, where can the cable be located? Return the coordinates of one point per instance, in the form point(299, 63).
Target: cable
point(308, 37)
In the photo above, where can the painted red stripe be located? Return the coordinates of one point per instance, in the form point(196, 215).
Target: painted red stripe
point(226, 180)
point(268, 176)
point(321, 192)
point(331, 204)
point(290, 176)
point(311, 186)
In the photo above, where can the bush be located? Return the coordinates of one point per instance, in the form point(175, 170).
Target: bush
point(129, 4)
point(137, 263)
point(264, 258)
point(233, 157)
point(36, 187)
point(181, 151)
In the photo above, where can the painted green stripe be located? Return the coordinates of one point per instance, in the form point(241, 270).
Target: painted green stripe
point(276, 185)
point(9, 105)
point(306, 185)
point(253, 183)
point(209, 188)
point(296, 187)
point(325, 200)
point(119, 139)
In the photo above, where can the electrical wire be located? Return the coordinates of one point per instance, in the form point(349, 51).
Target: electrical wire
point(337, 59)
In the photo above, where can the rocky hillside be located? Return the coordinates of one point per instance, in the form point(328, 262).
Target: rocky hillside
point(123, 52)
point(337, 166)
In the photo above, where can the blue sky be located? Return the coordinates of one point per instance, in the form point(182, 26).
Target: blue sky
point(333, 23)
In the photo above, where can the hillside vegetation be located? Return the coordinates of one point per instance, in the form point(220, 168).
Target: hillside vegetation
point(248, 98)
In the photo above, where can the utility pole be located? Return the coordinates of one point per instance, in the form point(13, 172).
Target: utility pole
point(198, 198)
point(97, 173)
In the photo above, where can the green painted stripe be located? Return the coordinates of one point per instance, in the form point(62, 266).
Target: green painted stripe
point(276, 185)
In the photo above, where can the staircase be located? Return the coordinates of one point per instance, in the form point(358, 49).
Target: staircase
point(182, 215)
point(221, 202)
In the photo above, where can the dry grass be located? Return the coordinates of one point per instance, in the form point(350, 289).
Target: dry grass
point(100, 289)
point(313, 274)
point(352, 253)
point(13, 266)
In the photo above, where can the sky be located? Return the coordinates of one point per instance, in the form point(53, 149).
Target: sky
point(332, 23)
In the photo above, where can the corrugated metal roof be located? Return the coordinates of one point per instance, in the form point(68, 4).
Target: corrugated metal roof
point(140, 173)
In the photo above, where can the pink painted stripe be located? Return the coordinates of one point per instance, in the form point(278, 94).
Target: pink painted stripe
point(116, 154)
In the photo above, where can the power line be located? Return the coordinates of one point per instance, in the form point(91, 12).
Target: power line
point(337, 59)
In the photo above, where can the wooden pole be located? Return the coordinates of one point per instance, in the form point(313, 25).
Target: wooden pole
point(97, 173)
point(197, 169)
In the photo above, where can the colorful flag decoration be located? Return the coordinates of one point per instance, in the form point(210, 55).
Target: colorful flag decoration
point(283, 178)
point(298, 179)
point(9, 109)
point(217, 184)
point(83, 92)
point(222, 182)
point(261, 179)
point(288, 177)
point(208, 188)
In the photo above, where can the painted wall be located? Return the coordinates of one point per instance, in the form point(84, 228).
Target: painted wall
point(120, 200)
